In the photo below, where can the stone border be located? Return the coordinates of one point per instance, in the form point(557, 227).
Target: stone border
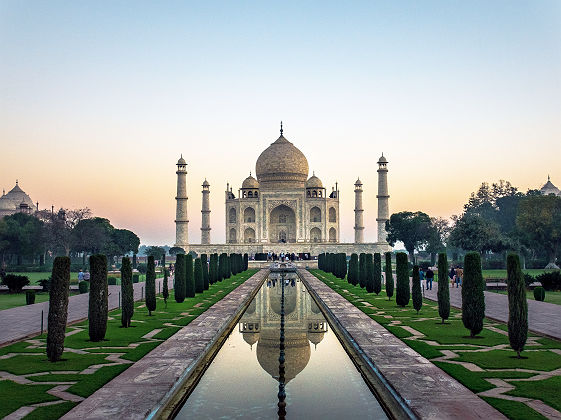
point(156, 385)
point(427, 391)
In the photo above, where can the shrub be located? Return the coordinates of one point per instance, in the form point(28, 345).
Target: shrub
point(112, 281)
point(443, 287)
point(165, 288)
point(83, 287)
point(135, 278)
point(473, 298)
point(528, 280)
point(189, 277)
point(362, 274)
point(402, 279)
point(245, 262)
point(45, 284)
point(151, 285)
point(539, 294)
point(141, 267)
point(377, 273)
point(212, 269)
point(29, 297)
point(206, 279)
point(550, 281)
point(97, 309)
point(180, 273)
point(369, 264)
point(416, 290)
point(58, 308)
point(127, 293)
point(517, 305)
point(15, 283)
point(199, 280)
point(134, 265)
point(352, 277)
point(389, 275)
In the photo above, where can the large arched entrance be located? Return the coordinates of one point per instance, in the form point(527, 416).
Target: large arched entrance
point(282, 224)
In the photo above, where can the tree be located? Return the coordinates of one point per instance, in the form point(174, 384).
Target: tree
point(151, 285)
point(125, 241)
point(165, 288)
point(342, 265)
point(413, 229)
point(189, 277)
point(416, 290)
point(443, 287)
point(377, 273)
point(369, 264)
point(402, 279)
point(213, 269)
point(539, 218)
point(362, 274)
point(58, 308)
point(389, 275)
point(91, 235)
point(438, 237)
point(174, 250)
point(22, 236)
point(477, 233)
point(473, 297)
point(155, 251)
point(245, 262)
point(517, 305)
point(352, 277)
point(98, 308)
point(127, 292)
point(198, 273)
point(206, 277)
point(180, 280)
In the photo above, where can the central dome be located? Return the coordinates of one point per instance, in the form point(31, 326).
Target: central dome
point(282, 166)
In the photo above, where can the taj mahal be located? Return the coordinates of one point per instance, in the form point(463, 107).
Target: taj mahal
point(281, 209)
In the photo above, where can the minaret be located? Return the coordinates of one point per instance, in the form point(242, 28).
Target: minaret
point(205, 211)
point(359, 225)
point(383, 198)
point(181, 220)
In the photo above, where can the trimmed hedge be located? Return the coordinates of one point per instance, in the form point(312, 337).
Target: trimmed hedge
point(473, 297)
point(58, 308)
point(362, 274)
point(15, 283)
point(98, 307)
point(389, 276)
point(206, 275)
point(539, 294)
point(199, 280)
point(151, 285)
point(402, 279)
point(416, 290)
point(377, 273)
point(369, 264)
point(517, 305)
point(127, 293)
point(180, 283)
point(352, 277)
point(443, 293)
point(83, 287)
point(189, 277)
point(29, 297)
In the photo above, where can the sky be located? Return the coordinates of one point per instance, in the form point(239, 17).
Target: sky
point(98, 99)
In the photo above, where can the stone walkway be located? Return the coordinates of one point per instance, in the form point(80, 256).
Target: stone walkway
point(543, 317)
point(429, 391)
point(25, 321)
point(145, 387)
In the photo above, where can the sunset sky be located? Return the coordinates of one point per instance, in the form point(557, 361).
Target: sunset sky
point(98, 100)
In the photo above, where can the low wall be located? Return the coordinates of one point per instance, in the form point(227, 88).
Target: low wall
point(313, 249)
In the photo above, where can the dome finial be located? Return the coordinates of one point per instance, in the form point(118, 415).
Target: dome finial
point(548, 179)
point(17, 180)
point(281, 129)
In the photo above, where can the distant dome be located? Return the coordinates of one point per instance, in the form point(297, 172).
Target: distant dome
point(358, 181)
point(15, 198)
point(181, 161)
point(282, 166)
point(549, 188)
point(205, 183)
point(382, 159)
point(297, 353)
point(314, 182)
point(250, 182)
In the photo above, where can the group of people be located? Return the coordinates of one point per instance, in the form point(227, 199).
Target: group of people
point(456, 274)
point(84, 276)
point(271, 256)
point(428, 276)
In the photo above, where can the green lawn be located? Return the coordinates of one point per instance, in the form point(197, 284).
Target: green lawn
point(8, 300)
point(491, 351)
point(550, 297)
point(501, 274)
point(35, 277)
point(28, 356)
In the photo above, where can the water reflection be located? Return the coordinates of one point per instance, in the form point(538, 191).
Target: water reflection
point(243, 379)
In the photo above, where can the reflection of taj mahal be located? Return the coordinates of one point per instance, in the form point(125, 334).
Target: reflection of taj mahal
point(282, 210)
point(304, 326)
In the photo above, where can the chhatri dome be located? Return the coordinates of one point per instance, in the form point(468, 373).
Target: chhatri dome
point(314, 182)
point(250, 182)
point(549, 188)
point(282, 166)
point(16, 200)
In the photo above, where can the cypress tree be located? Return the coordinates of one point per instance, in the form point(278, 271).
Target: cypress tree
point(58, 308)
point(164, 260)
point(517, 305)
point(165, 289)
point(151, 285)
point(127, 293)
point(97, 309)
point(473, 298)
point(134, 261)
point(369, 264)
point(402, 279)
point(389, 275)
point(199, 280)
point(212, 269)
point(204, 262)
point(416, 290)
point(245, 261)
point(189, 277)
point(377, 273)
point(352, 277)
point(362, 270)
point(180, 283)
point(221, 267)
point(443, 287)
point(320, 261)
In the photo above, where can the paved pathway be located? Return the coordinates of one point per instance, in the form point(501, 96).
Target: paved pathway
point(543, 317)
point(141, 390)
point(427, 390)
point(25, 321)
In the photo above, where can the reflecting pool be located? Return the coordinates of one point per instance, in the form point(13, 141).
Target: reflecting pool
point(321, 380)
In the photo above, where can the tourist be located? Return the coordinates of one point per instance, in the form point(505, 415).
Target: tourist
point(430, 276)
point(80, 276)
point(87, 275)
point(421, 276)
point(459, 274)
point(452, 275)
